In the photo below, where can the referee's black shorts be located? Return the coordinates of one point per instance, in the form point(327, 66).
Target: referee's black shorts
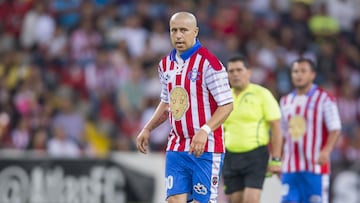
point(246, 169)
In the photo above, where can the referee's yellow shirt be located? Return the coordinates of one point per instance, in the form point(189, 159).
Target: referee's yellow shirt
point(247, 126)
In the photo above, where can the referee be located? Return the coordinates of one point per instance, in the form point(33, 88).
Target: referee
point(247, 135)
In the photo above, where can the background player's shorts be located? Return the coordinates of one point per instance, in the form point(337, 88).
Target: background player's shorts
point(197, 176)
point(305, 187)
point(246, 169)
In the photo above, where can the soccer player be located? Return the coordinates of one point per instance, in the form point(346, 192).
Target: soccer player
point(256, 111)
point(196, 97)
point(311, 126)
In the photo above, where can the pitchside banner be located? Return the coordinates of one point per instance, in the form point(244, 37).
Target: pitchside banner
point(35, 180)
point(345, 182)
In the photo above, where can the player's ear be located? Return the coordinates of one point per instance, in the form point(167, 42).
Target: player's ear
point(249, 72)
point(313, 75)
point(196, 31)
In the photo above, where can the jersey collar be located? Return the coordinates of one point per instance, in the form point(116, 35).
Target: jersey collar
point(309, 93)
point(186, 54)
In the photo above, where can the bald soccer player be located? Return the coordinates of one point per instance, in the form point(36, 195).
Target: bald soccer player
point(196, 99)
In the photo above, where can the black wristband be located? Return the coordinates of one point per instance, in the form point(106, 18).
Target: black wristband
point(277, 159)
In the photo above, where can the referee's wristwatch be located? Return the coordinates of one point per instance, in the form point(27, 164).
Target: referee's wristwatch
point(275, 161)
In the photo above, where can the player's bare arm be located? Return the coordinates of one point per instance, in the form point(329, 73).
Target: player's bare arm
point(199, 140)
point(325, 152)
point(163, 117)
point(160, 115)
point(276, 142)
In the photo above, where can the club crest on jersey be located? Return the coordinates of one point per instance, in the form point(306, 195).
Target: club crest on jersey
point(194, 75)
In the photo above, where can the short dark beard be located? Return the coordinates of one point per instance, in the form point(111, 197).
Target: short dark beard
point(303, 88)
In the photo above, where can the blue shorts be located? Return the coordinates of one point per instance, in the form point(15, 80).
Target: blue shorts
point(305, 187)
point(196, 176)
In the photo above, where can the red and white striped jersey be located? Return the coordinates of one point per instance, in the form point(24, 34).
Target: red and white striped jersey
point(193, 85)
point(306, 122)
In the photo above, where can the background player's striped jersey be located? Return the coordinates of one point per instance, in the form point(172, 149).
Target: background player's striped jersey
point(307, 121)
point(193, 88)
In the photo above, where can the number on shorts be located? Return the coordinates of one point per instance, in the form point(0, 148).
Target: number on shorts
point(169, 182)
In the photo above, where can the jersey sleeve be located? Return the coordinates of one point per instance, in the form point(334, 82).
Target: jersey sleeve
point(164, 95)
point(270, 106)
point(218, 84)
point(331, 114)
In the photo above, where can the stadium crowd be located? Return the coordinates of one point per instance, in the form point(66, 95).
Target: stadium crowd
point(79, 77)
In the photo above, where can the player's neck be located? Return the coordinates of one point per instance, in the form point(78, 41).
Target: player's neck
point(303, 90)
point(239, 90)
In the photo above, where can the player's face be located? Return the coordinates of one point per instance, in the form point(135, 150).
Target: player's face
point(302, 75)
point(239, 75)
point(183, 33)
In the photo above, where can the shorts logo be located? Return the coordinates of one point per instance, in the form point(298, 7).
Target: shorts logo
point(215, 180)
point(200, 189)
point(315, 199)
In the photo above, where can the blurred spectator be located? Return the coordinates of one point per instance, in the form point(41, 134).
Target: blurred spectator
point(119, 59)
point(266, 55)
point(66, 12)
point(20, 136)
point(247, 25)
point(25, 99)
point(261, 8)
point(348, 111)
point(344, 12)
point(73, 75)
point(60, 145)
point(38, 142)
point(38, 26)
point(101, 80)
point(12, 13)
point(322, 25)
point(68, 119)
point(326, 63)
point(282, 77)
point(231, 46)
point(223, 28)
point(131, 100)
point(159, 39)
point(131, 95)
point(84, 42)
point(57, 49)
point(7, 41)
point(133, 34)
point(297, 21)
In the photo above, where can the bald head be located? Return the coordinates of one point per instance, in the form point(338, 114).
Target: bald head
point(183, 31)
point(185, 16)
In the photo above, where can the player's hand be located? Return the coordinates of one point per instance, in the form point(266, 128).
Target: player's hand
point(324, 157)
point(142, 140)
point(274, 167)
point(198, 142)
